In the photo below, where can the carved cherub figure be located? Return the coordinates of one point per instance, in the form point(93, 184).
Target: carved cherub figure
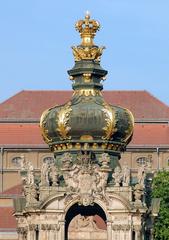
point(117, 175)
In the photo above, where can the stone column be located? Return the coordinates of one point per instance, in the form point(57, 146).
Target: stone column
point(52, 232)
point(56, 232)
point(33, 231)
point(49, 228)
point(122, 233)
point(61, 232)
point(32, 235)
point(20, 231)
point(29, 236)
point(42, 232)
point(116, 232)
point(109, 231)
point(126, 232)
point(137, 232)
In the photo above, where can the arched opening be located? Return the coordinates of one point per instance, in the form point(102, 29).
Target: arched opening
point(85, 222)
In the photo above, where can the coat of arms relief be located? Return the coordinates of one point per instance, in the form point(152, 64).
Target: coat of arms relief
point(86, 178)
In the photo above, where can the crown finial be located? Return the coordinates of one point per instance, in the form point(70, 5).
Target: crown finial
point(87, 50)
point(87, 29)
point(87, 14)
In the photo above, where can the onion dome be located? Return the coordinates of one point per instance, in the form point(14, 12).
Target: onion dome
point(87, 121)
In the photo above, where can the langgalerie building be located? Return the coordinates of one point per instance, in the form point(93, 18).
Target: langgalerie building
point(86, 177)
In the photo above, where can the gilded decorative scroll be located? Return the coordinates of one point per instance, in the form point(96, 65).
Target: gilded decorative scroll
point(129, 131)
point(62, 121)
point(87, 53)
point(42, 126)
point(110, 120)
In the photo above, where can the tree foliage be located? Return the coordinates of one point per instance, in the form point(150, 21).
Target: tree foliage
point(161, 190)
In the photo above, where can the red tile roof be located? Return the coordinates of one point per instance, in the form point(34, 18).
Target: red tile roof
point(7, 220)
point(20, 134)
point(150, 134)
point(15, 190)
point(31, 104)
point(29, 135)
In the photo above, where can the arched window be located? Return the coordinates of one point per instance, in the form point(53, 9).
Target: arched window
point(48, 159)
point(16, 161)
point(142, 160)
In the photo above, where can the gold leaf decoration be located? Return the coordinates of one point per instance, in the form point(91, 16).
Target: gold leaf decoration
point(87, 53)
point(62, 121)
point(44, 131)
point(110, 119)
point(87, 29)
point(129, 131)
point(87, 92)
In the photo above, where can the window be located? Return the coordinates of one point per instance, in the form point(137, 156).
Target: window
point(48, 159)
point(144, 160)
point(16, 161)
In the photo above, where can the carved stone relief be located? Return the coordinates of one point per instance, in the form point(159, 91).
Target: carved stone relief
point(85, 227)
point(85, 178)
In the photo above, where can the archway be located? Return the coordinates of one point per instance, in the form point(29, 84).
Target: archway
point(85, 222)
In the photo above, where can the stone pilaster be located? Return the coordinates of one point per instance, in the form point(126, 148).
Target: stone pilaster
point(109, 230)
point(61, 233)
point(22, 233)
point(137, 229)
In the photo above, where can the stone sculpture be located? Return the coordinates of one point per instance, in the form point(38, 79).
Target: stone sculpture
point(141, 174)
point(45, 174)
point(117, 175)
point(83, 223)
point(54, 174)
point(125, 175)
point(30, 174)
point(138, 193)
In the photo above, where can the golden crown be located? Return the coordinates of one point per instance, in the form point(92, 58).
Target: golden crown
point(87, 50)
point(87, 29)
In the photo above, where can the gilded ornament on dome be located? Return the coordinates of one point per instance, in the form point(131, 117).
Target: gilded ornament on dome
point(87, 29)
point(87, 50)
point(110, 120)
point(87, 77)
point(44, 131)
point(87, 92)
point(129, 130)
point(86, 137)
point(62, 121)
point(87, 53)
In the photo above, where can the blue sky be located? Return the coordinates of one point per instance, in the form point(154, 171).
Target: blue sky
point(36, 36)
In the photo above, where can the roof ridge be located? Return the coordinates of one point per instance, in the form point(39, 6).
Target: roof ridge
point(13, 96)
point(157, 99)
point(70, 90)
point(124, 90)
point(58, 90)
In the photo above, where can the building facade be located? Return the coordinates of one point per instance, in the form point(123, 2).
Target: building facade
point(116, 211)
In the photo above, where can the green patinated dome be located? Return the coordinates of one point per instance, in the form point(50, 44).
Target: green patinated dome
point(87, 121)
